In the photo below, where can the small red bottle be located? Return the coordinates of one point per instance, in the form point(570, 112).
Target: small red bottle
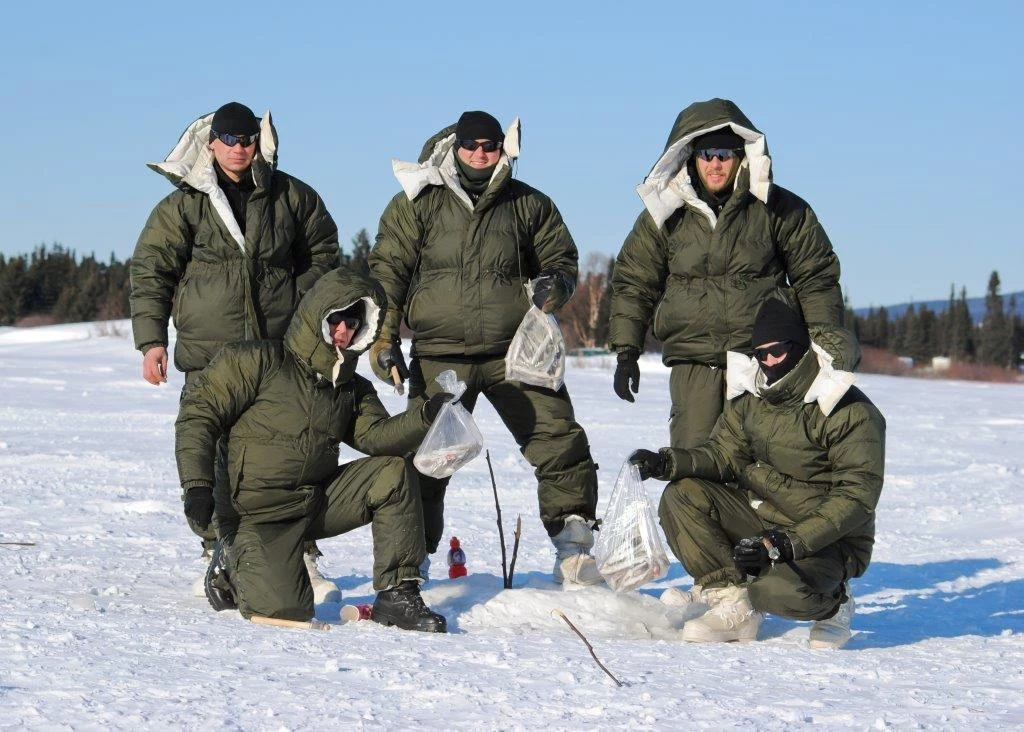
point(456, 559)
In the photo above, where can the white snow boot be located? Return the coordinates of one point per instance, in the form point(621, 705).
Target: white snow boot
point(684, 598)
point(574, 565)
point(731, 618)
point(323, 589)
point(833, 632)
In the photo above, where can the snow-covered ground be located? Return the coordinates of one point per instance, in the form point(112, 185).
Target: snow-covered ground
point(98, 627)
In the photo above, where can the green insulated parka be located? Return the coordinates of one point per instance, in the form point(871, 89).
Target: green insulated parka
point(225, 286)
point(454, 269)
point(809, 451)
point(698, 279)
point(287, 406)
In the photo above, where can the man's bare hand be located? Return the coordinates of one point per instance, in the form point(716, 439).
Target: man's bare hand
point(154, 365)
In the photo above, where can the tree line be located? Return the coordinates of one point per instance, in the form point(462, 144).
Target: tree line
point(53, 285)
point(921, 333)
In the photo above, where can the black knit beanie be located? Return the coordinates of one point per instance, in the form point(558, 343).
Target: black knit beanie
point(776, 322)
point(724, 139)
point(478, 126)
point(235, 118)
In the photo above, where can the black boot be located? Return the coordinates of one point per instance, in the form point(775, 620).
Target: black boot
point(403, 606)
point(218, 587)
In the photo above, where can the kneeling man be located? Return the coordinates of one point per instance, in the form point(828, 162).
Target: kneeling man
point(783, 491)
point(285, 407)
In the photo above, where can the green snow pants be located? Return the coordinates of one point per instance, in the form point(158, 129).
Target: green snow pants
point(704, 520)
point(265, 561)
point(226, 520)
point(543, 425)
point(698, 398)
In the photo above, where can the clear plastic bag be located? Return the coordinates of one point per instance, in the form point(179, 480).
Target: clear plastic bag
point(453, 439)
point(629, 550)
point(537, 353)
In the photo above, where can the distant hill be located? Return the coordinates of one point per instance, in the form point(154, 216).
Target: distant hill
point(976, 306)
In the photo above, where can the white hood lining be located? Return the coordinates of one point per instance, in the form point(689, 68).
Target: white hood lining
point(367, 331)
point(668, 185)
point(743, 374)
point(191, 161)
point(440, 169)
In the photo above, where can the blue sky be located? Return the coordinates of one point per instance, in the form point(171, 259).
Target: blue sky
point(894, 120)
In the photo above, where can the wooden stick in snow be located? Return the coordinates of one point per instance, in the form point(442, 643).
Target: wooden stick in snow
point(558, 613)
point(506, 580)
point(313, 624)
point(515, 551)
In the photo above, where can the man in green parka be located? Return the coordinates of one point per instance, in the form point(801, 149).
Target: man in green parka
point(227, 255)
point(784, 490)
point(716, 238)
point(453, 252)
point(285, 407)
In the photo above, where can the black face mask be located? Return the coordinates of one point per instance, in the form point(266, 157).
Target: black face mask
point(795, 352)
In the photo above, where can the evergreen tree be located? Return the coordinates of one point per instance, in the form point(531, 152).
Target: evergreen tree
point(604, 313)
point(995, 338)
point(850, 319)
point(360, 252)
point(13, 290)
point(961, 329)
point(1016, 336)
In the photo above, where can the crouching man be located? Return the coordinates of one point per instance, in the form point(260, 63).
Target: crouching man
point(285, 407)
point(783, 491)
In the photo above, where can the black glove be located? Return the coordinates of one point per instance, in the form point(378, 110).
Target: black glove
point(627, 374)
point(433, 405)
point(385, 354)
point(551, 290)
point(650, 464)
point(199, 505)
point(753, 556)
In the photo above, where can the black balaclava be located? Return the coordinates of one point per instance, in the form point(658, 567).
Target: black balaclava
point(476, 125)
point(776, 322)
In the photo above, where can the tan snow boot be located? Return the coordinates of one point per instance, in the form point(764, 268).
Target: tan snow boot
point(833, 632)
point(323, 589)
point(731, 618)
point(574, 565)
point(684, 598)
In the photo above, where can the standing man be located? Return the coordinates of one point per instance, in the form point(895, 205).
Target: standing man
point(453, 252)
point(227, 255)
point(784, 491)
point(285, 406)
point(716, 238)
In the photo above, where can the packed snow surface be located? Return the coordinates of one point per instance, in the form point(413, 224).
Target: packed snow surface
point(99, 628)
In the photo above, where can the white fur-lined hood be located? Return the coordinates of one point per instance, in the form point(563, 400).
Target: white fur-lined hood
point(437, 164)
point(668, 186)
point(743, 375)
point(190, 163)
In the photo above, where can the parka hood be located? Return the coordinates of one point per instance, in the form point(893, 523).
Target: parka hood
point(308, 336)
point(814, 377)
point(668, 186)
point(190, 165)
point(436, 165)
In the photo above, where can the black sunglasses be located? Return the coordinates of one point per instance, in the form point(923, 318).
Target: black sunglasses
point(489, 146)
point(774, 350)
point(232, 140)
point(721, 153)
point(351, 321)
